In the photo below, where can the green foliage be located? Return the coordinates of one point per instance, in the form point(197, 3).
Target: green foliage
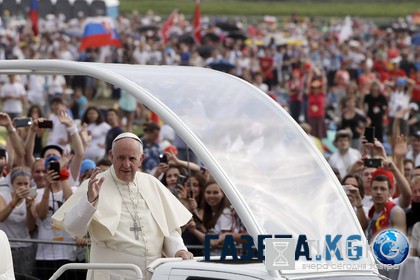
point(329, 8)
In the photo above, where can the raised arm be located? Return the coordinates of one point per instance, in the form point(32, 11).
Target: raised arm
point(15, 140)
point(401, 183)
point(76, 143)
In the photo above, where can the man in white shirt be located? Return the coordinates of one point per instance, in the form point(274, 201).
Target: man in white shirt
point(130, 215)
point(346, 156)
point(13, 95)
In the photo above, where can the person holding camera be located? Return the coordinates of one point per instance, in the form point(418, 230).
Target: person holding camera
point(55, 192)
point(17, 219)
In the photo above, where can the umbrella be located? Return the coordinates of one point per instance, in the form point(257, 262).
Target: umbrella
point(210, 37)
point(222, 65)
point(237, 35)
point(415, 40)
point(227, 26)
point(186, 38)
point(146, 28)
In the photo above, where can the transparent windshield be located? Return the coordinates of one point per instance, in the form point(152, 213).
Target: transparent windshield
point(272, 173)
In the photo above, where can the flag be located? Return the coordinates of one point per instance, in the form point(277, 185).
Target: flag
point(346, 30)
point(197, 24)
point(166, 27)
point(99, 32)
point(33, 16)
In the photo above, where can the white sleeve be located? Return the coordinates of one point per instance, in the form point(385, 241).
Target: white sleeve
point(172, 244)
point(225, 221)
point(77, 220)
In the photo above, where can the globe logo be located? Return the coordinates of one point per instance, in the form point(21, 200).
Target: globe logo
point(390, 247)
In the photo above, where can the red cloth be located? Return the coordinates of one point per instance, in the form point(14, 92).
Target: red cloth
point(197, 24)
point(383, 220)
point(64, 174)
point(387, 173)
point(415, 94)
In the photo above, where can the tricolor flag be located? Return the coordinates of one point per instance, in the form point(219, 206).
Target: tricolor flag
point(197, 24)
point(33, 16)
point(166, 27)
point(99, 32)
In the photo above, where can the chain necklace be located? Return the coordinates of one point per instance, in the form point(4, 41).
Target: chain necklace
point(136, 228)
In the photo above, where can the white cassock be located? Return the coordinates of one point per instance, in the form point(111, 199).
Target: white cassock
point(110, 224)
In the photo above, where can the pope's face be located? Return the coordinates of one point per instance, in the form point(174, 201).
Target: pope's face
point(126, 156)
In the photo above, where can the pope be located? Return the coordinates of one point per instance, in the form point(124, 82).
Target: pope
point(131, 217)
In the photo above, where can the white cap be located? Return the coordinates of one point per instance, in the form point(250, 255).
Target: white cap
point(127, 135)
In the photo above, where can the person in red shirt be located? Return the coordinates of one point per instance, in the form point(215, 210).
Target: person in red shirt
point(295, 87)
point(267, 68)
point(316, 108)
point(415, 93)
point(396, 72)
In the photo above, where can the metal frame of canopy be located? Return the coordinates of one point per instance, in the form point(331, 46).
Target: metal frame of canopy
point(232, 157)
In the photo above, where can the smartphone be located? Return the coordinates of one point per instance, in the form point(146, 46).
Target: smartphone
point(370, 134)
point(181, 180)
point(23, 122)
point(2, 153)
point(373, 162)
point(32, 192)
point(45, 124)
point(345, 189)
point(163, 158)
point(54, 165)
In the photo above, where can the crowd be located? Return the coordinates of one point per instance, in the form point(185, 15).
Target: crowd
point(326, 79)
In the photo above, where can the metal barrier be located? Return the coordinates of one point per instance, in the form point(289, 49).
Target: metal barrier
point(105, 266)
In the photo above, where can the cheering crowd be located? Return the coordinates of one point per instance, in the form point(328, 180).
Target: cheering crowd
point(343, 77)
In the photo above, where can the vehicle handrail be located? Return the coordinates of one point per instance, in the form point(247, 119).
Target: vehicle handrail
point(152, 266)
point(107, 266)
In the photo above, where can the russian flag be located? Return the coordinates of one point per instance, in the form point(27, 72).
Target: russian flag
point(99, 32)
point(33, 16)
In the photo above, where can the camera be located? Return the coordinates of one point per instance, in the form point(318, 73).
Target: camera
point(23, 122)
point(163, 158)
point(55, 166)
point(372, 162)
point(370, 134)
point(45, 124)
point(2, 153)
point(181, 180)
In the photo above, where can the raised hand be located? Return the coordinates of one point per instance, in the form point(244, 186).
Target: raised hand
point(64, 117)
point(85, 135)
point(52, 177)
point(65, 159)
point(5, 120)
point(94, 186)
point(400, 147)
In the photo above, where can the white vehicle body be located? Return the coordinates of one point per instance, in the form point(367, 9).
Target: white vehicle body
point(272, 173)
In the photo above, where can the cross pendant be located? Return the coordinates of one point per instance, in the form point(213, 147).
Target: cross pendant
point(136, 230)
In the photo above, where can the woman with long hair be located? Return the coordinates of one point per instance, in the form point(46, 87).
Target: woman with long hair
point(215, 214)
point(97, 128)
point(16, 218)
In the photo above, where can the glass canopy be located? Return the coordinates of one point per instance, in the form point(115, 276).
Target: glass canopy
point(270, 170)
